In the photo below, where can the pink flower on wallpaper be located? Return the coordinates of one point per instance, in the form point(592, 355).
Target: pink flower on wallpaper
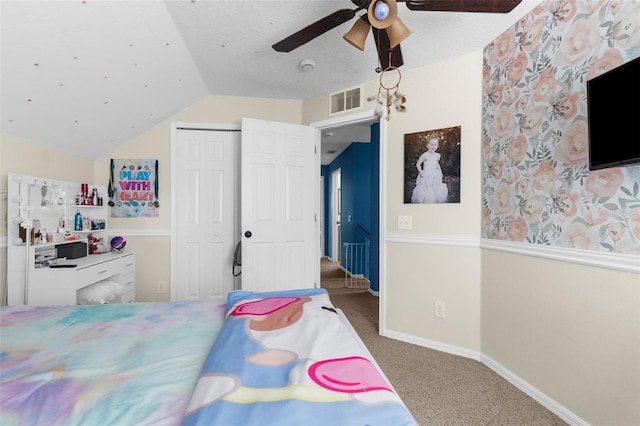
point(567, 105)
point(532, 33)
point(573, 147)
point(604, 183)
point(517, 67)
point(504, 123)
point(533, 119)
point(503, 47)
point(627, 29)
point(544, 176)
point(616, 231)
point(504, 200)
point(579, 42)
point(634, 222)
point(544, 87)
point(577, 235)
point(568, 204)
point(610, 59)
point(517, 229)
point(533, 207)
point(596, 216)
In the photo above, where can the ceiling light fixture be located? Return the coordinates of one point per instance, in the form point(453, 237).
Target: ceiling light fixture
point(382, 15)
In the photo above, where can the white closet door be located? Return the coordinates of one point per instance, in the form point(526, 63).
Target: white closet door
point(204, 213)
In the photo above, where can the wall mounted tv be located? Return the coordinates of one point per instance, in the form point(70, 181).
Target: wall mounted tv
point(613, 108)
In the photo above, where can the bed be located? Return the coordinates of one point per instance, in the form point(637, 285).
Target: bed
point(282, 358)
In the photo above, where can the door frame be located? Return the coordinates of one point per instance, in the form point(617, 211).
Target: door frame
point(362, 117)
point(174, 207)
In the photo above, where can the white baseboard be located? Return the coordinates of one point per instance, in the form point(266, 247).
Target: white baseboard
point(544, 400)
point(432, 344)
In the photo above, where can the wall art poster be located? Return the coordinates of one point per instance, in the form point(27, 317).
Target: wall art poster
point(133, 188)
point(432, 166)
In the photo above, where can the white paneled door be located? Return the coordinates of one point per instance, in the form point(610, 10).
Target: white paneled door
point(204, 212)
point(279, 205)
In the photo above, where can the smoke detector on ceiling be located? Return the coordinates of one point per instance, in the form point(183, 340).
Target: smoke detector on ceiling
point(306, 65)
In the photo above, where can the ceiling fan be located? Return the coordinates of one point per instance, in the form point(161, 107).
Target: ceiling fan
point(387, 29)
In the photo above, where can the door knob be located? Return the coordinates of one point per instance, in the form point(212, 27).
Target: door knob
point(247, 234)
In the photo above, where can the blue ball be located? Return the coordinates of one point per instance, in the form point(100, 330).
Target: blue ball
point(118, 243)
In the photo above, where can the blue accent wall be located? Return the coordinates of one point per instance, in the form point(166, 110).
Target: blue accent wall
point(359, 168)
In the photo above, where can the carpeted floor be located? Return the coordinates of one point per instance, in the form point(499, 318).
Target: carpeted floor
point(438, 388)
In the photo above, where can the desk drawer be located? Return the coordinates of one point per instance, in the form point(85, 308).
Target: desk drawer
point(128, 264)
point(128, 280)
point(93, 274)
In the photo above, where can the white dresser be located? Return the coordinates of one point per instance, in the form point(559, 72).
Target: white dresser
point(59, 286)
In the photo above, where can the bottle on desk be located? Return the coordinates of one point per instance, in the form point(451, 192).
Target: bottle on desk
point(77, 221)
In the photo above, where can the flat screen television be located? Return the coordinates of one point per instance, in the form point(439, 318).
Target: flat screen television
point(613, 117)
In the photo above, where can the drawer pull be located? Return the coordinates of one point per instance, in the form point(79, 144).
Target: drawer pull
point(103, 271)
point(129, 264)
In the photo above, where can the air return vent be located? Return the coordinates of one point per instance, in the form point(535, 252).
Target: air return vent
point(346, 100)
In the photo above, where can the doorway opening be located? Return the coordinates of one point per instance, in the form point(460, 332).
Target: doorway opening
point(377, 167)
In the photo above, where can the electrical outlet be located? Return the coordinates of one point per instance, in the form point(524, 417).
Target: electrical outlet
point(405, 222)
point(439, 310)
point(162, 287)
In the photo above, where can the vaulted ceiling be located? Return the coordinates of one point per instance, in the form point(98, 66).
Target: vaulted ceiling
point(87, 76)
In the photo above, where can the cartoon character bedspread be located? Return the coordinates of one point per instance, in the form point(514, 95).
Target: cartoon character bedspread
point(288, 358)
point(118, 364)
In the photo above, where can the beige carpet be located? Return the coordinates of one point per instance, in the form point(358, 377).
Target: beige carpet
point(439, 388)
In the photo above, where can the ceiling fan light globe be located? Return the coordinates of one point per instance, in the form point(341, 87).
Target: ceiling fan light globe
point(397, 32)
point(381, 10)
point(382, 13)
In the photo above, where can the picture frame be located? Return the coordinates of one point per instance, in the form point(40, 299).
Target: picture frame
point(440, 180)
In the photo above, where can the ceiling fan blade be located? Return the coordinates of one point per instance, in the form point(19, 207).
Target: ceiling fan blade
point(314, 30)
point(383, 46)
point(485, 6)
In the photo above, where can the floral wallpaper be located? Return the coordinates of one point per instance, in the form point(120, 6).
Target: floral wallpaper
point(536, 183)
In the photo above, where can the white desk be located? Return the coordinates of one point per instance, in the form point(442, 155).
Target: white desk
point(58, 286)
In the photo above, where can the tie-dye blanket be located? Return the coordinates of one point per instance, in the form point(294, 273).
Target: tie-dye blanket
point(288, 358)
point(117, 364)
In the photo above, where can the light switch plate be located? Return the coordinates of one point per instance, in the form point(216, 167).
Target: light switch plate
point(405, 222)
